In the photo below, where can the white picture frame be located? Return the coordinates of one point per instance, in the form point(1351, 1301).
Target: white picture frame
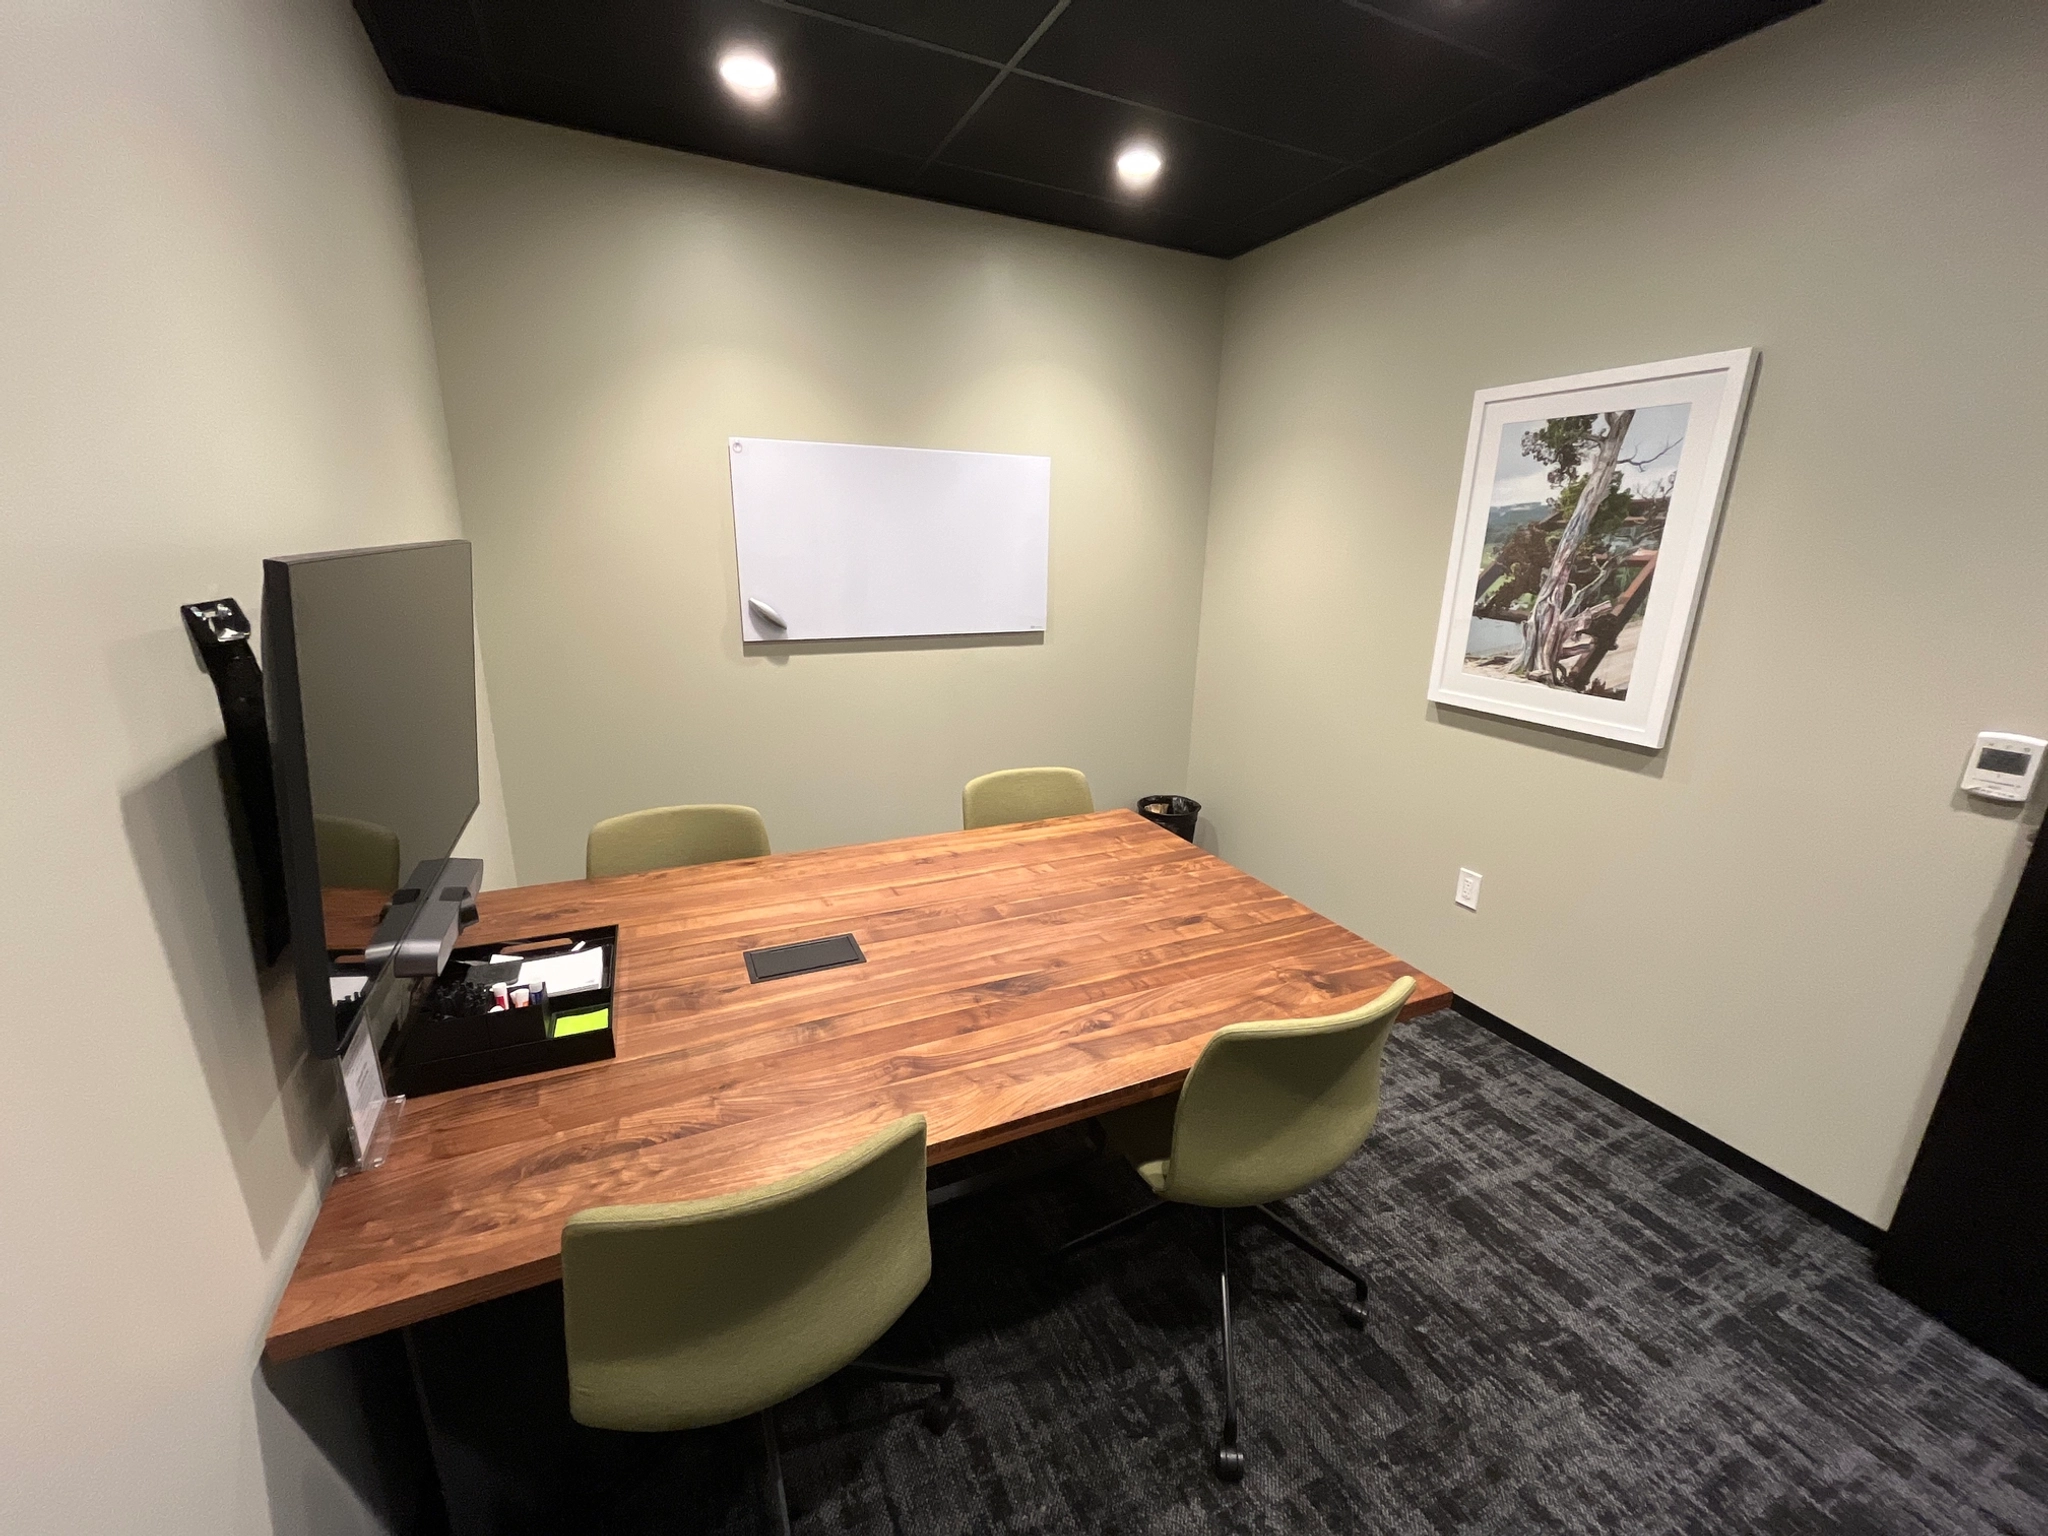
point(1584, 621)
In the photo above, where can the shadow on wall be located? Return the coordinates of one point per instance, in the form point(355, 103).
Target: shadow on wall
point(1647, 761)
point(344, 1448)
point(276, 1107)
point(780, 651)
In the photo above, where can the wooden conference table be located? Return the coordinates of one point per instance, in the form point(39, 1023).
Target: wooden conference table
point(1018, 978)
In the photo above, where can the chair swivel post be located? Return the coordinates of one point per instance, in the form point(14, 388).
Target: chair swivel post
point(1229, 1461)
point(771, 1450)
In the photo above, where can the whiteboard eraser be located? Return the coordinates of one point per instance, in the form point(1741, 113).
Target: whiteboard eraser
point(763, 611)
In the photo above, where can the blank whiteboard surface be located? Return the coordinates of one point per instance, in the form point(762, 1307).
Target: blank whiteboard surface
point(842, 541)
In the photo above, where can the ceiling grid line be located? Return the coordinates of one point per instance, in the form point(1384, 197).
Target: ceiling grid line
point(989, 90)
point(874, 31)
point(1146, 106)
point(1408, 24)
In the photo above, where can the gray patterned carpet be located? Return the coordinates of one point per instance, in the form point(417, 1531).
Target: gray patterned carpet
point(1578, 1324)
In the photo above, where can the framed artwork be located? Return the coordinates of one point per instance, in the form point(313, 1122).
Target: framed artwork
point(1585, 519)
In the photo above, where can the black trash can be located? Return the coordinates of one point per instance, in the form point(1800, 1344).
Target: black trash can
point(1176, 813)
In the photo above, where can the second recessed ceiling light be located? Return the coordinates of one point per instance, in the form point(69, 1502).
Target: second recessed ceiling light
point(748, 76)
point(1137, 166)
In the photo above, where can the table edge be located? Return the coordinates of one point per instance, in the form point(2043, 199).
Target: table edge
point(330, 1333)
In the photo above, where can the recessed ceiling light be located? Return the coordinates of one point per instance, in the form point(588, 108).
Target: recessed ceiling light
point(1137, 166)
point(748, 76)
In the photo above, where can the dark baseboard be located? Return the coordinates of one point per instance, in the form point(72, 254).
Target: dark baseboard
point(1818, 1206)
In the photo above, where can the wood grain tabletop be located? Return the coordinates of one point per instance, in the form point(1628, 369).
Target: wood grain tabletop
point(1017, 978)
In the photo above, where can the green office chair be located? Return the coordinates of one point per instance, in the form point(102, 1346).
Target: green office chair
point(1266, 1110)
point(674, 835)
point(1024, 794)
point(355, 855)
point(679, 1316)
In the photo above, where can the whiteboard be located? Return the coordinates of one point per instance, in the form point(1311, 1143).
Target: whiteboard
point(842, 541)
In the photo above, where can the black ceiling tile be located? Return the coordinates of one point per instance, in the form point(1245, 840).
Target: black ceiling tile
point(1529, 34)
point(424, 26)
point(989, 29)
point(654, 63)
point(624, 115)
point(1333, 194)
point(464, 80)
point(1056, 205)
point(1547, 35)
point(1315, 74)
point(857, 165)
point(1037, 131)
point(1670, 32)
point(1463, 133)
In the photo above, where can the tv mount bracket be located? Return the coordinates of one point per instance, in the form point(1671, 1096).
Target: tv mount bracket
point(219, 632)
point(420, 927)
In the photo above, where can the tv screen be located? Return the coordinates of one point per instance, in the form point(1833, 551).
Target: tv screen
point(370, 686)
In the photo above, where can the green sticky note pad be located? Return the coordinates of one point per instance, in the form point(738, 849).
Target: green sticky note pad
point(583, 1023)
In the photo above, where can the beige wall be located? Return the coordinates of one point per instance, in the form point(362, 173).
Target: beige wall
point(607, 315)
point(1775, 926)
point(215, 350)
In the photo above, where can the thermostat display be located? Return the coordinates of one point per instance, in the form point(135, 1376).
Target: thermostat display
point(2002, 767)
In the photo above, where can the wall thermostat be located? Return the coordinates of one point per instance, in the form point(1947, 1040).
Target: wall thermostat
point(2002, 766)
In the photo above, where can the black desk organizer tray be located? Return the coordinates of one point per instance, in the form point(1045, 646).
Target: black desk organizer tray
point(434, 1053)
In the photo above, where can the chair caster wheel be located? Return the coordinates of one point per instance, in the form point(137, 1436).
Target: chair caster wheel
point(940, 1413)
point(1229, 1463)
point(1354, 1314)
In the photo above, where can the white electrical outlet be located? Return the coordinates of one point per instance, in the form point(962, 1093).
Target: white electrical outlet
point(1468, 888)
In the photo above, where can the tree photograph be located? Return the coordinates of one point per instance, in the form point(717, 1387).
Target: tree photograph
point(1575, 516)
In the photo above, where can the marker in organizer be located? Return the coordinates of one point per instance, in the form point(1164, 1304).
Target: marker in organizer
point(521, 995)
point(500, 998)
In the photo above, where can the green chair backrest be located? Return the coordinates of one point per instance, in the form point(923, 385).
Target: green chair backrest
point(1024, 794)
point(355, 855)
point(674, 835)
point(1270, 1108)
point(699, 1312)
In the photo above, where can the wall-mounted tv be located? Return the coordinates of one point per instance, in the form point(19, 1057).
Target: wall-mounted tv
point(369, 671)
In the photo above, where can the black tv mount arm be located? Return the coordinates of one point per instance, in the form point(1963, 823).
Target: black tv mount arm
point(220, 634)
